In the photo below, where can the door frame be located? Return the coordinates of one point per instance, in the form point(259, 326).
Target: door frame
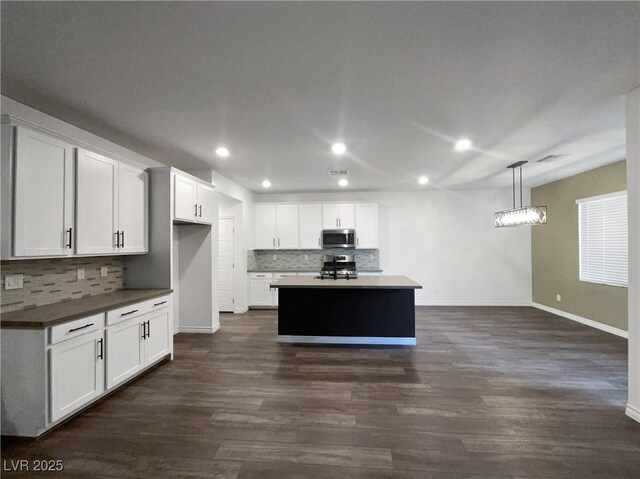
point(234, 279)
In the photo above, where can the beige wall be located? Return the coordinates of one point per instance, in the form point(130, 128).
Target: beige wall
point(554, 248)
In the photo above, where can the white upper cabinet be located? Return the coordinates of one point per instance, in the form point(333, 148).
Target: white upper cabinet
point(277, 227)
point(43, 195)
point(338, 216)
point(112, 206)
point(193, 201)
point(310, 226)
point(133, 207)
point(97, 204)
point(366, 225)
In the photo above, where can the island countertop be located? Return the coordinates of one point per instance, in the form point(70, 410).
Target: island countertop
point(52, 314)
point(363, 282)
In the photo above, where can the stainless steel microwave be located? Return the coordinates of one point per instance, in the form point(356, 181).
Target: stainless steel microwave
point(338, 238)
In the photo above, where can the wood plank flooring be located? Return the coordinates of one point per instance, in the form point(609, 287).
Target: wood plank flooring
point(487, 393)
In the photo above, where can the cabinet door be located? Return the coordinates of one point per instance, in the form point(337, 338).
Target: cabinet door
point(260, 292)
point(97, 204)
point(330, 217)
point(347, 216)
point(310, 226)
point(43, 211)
point(185, 199)
point(77, 373)
point(287, 227)
point(124, 351)
point(206, 212)
point(367, 226)
point(274, 291)
point(265, 227)
point(133, 208)
point(156, 344)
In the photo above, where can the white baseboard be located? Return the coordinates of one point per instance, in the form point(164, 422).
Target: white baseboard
point(347, 340)
point(241, 310)
point(473, 303)
point(200, 329)
point(633, 412)
point(589, 322)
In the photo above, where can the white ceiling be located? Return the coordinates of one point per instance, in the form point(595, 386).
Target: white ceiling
point(278, 82)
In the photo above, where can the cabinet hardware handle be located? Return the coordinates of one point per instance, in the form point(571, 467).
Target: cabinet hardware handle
point(200, 208)
point(123, 238)
point(70, 233)
point(144, 330)
point(117, 239)
point(158, 304)
point(148, 329)
point(357, 241)
point(81, 327)
point(278, 241)
point(101, 353)
point(274, 241)
point(128, 313)
point(196, 208)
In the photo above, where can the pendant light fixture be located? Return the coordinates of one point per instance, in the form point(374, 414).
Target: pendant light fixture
point(524, 215)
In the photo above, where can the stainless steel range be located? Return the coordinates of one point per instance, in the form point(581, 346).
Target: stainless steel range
point(338, 267)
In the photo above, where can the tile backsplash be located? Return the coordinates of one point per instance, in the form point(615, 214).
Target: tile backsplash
point(48, 281)
point(295, 259)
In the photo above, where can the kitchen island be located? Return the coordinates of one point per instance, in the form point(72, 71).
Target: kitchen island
point(365, 310)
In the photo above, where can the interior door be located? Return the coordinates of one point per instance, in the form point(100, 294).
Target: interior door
point(265, 227)
point(206, 212)
point(124, 350)
point(330, 215)
point(185, 200)
point(97, 203)
point(310, 226)
point(226, 254)
point(133, 207)
point(287, 227)
point(43, 215)
point(77, 373)
point(156, 344)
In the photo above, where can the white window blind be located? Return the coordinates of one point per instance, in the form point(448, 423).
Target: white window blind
point(604, 239)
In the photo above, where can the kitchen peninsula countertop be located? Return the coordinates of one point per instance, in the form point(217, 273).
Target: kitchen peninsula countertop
point(363, 282)
point(51, 314)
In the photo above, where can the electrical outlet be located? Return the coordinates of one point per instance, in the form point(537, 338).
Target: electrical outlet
point(558, 298)
point(275, 257)
point(80, 273)
point(306, 257)
point(104, 271)
point(14, 281)
point(371, 257)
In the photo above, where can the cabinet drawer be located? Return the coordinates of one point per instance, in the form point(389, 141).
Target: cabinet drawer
point(283, 275)
point(76, 328)
point(157, 304)
point(128, 312)
point(260, 275)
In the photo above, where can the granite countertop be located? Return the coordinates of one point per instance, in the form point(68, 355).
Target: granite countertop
point(57, 313)
point(363, 282)
point(300, 270)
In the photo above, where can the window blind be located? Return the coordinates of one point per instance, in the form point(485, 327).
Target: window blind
point(603, 239)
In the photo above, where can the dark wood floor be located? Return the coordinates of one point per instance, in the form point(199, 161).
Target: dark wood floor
point(488, 392)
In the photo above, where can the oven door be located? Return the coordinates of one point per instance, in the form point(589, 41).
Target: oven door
point(338, 239)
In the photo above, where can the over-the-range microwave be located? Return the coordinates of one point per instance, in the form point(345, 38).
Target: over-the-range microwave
point(339, 238)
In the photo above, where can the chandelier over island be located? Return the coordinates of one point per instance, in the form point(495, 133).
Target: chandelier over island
point(524, 215)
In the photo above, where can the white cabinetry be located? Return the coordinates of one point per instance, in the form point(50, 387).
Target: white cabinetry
point(366, 225)
point(43, 195)
point(277, 226)
point(261, 293)
point(124, 351)
point(112, 206)
point(310, 226)
point(206, 213)
point(340, 215)
point(193, 201)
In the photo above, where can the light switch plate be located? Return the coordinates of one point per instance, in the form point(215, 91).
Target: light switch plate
point(14, 281)
point(80, 273)
point(104, 271)
point(558, 297)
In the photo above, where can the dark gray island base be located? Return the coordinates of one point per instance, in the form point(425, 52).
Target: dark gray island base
point(368, 310)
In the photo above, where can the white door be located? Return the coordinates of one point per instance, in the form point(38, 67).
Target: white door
point(310, 226)
point(330, 217)
point(77, 373)
point(185, 200)
point(260, 292)
point(347, 217)
point(287, 227)
point(206, 214)
point(226, 254)
point(133, 207)
point(124, 350)
point(96, 204)
point(265, 227)
point(156, 343)
point(43, 215)
point(367, 226)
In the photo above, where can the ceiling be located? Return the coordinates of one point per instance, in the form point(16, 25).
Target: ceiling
point(278, 83)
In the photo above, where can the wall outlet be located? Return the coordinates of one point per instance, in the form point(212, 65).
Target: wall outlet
point(80, 273)
point(306, 257)
point(104, 271)
point(14, 281)
point(371, 257)
point(275, 257)
point(558, 298)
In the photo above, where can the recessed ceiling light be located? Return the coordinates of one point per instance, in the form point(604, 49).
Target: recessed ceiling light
point(338, 149)
point(222, 152)
point(343, 182)
point(266, 183)
point(423, 180)
point(463, 144)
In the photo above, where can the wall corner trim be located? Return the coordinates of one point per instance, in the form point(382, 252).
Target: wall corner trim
point(588, 322)
point(632, 412)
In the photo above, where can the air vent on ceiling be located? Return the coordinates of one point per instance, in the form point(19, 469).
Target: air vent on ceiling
point(338, 172)
point(549, 158)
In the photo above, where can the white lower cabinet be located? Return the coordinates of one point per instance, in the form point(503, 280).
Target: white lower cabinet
point(156, 344)
point(261, 292)
point(124, 351)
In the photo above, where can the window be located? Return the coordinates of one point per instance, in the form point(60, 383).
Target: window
point(603, 239)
